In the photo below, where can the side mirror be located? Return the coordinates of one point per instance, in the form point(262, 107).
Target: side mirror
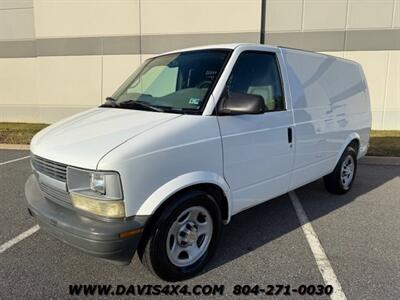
point(240, 104)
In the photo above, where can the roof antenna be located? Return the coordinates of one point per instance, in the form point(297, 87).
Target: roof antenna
point(262, 29)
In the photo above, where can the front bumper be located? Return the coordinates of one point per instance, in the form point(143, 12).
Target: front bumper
point(96, 237)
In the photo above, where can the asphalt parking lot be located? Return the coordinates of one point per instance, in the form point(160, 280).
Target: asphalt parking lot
point(359, 232)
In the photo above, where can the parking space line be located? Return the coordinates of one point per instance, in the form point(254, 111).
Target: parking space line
point(18, 238)
point(14, 160)
point(320, 257)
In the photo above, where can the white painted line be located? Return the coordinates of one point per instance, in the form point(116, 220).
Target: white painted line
point(14, 160)
point(18, 238)
point(320, 257)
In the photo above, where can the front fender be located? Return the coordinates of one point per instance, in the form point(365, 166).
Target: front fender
point(170, 188)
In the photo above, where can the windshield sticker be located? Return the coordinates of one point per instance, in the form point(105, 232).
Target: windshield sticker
point(194, 101)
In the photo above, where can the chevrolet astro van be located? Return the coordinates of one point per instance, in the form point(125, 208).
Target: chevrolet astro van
point(192, 138)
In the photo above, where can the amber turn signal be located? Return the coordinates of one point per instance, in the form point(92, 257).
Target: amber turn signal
point(130, 233)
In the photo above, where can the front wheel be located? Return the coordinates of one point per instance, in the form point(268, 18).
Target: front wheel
point(342, 177)
point(184, 238)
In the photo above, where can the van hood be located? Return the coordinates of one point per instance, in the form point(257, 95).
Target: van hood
point(83, 139)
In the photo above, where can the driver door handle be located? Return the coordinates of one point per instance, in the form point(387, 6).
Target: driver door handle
point(290, 135)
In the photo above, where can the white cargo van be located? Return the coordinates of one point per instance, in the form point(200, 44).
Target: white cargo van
point(190, 139)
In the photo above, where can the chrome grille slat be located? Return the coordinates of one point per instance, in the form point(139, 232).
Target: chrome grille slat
point(52, 169)
point(54, 194)
point(52, 166)
point(49, 169)
point(51, 173)
point(46, 161)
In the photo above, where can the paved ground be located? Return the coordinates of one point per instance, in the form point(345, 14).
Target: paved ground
point(360, 233)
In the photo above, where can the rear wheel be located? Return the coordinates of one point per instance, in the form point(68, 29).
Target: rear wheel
point(342, 177)
point(184, 238)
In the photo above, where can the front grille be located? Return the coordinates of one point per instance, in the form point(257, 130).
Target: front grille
point(54, 194)
point(50, 168)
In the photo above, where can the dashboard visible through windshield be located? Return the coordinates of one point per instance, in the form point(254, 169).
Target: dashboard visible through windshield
point(178, 82)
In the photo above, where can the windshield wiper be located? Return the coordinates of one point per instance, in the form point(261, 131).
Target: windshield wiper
point(141, 104)
point(182, 110)
point(110, 102)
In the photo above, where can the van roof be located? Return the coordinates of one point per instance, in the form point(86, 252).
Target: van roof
point(235, 45)
point(220, 46)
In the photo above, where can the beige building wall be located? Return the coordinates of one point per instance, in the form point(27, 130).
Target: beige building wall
point(366, 31)
point(17, 75)
point(78, 52)
point(74, 73)
point(58, 57)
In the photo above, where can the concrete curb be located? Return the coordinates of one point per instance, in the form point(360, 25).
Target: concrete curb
point(380, 160)
point(14, 147)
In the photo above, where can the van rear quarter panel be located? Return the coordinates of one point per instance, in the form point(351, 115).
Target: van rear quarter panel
point(330, 104)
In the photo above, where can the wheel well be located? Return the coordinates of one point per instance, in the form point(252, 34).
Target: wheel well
point(355, 144)
point(219, 196)
point(210, 188)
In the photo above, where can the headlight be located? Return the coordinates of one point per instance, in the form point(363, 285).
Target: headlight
point(98, 183)
point(97, 192)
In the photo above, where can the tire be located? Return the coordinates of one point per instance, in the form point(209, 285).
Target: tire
point(174, 230)
point(341, 179)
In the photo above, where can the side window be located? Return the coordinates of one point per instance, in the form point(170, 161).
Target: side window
point(257, 73)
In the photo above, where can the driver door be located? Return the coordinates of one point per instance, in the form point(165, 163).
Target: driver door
point(258, 151)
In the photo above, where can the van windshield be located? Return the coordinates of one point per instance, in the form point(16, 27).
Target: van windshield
point(178, 82)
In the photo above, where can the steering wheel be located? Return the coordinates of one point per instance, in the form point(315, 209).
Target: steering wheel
point(204, 84)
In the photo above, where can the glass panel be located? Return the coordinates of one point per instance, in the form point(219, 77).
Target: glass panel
point(176, 81)
point(257, 73)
